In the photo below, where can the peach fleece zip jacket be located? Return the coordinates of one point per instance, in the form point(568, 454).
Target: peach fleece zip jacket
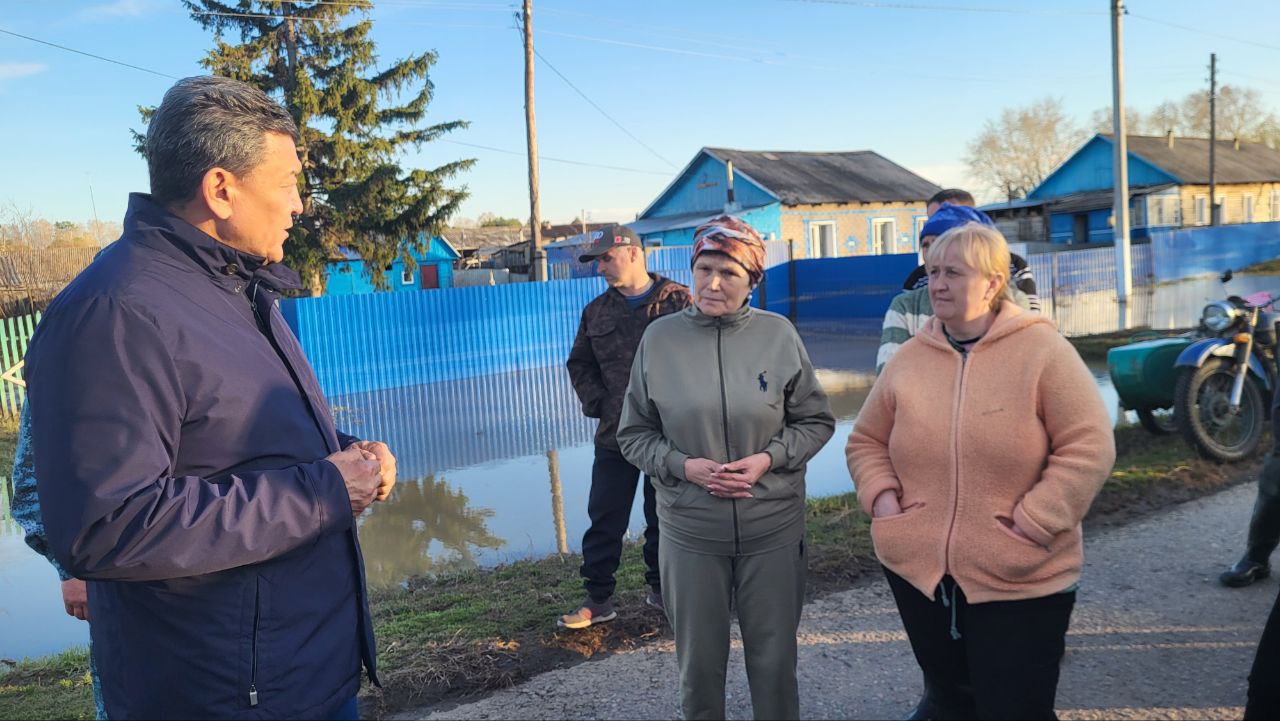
point(1015, 430)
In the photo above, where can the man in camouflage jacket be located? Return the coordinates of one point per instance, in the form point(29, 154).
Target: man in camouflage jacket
point(600, 366)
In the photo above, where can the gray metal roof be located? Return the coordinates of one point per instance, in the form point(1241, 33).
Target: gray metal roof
point(1188, 159)
point(798, 178)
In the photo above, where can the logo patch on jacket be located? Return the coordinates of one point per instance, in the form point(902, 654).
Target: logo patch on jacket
point(764, 384)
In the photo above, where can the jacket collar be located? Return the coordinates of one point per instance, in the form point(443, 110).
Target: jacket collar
point(736, 319)
point(654, 290)
point(1009, 320)
point(150, 224)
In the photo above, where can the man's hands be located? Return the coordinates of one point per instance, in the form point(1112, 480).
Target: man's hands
point(388, 461)
point(75, 598)
point(728, 480)
point(362, 472)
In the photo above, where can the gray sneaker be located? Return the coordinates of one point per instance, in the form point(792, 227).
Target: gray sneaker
point(589, 614)
point(654, 600)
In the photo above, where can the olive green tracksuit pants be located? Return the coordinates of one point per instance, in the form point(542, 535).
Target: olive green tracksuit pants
point(769, 589)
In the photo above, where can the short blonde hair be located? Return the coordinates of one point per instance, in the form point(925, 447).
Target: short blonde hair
point(982, 248)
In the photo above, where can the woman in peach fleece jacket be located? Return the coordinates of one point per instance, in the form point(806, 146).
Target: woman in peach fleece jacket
point(977, 454)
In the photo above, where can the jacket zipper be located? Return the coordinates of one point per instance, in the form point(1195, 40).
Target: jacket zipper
point(724, 423)
point(253, 664)
point(955, 489)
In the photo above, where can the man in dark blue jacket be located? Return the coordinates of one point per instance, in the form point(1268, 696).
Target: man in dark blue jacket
point(187, 463)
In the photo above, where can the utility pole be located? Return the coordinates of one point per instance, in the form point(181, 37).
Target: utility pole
point(1213, 138)
point(537, 256)
point(1121, 202)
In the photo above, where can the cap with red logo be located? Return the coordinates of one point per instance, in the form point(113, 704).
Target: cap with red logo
point(608, 238)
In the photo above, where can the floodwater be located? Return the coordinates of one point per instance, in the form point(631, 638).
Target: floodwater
point(497, 468)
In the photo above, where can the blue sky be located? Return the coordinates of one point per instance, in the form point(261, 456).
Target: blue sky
point(913, 81)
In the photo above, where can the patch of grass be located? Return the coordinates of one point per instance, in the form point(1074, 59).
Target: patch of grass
point(50, 687)
point(8, 443)
point(1153, 472)
point(1094, 347)
point(1266, 267)
point(838, 542)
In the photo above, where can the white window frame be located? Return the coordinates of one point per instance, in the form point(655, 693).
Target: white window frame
point(919, 223)
point(890, 245)
point(1248, 207)
point(1202, 209)
point(1140, 214)
point(406, 276)
point(815, 240)
point(1275, 203)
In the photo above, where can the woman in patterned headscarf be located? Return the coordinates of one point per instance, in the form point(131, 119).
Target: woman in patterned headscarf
point(723, 411)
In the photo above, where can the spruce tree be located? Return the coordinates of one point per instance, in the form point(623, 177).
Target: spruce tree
point(317, 58)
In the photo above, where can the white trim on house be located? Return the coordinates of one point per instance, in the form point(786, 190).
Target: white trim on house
point(879, 245)
point(816, 244)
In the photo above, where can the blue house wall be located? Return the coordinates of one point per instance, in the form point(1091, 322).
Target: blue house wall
point(348, 277)
point(1091, 169)
point(1062, 227)
point(685, 195)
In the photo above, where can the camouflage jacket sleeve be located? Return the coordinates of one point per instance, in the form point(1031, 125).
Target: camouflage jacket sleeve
point(584, 371)
point(26, 504)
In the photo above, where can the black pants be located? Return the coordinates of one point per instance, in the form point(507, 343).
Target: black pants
point(1264, 679)
point(613, 489)
point(1264, 524)
point(1005, 663)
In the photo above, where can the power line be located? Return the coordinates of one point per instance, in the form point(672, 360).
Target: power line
point(90, 55)
point(780, 63)
point(492, 7)
point(299, 18)
point(593, 104)
point(1198, 31)
point(558, 160)
point(946, 8)
point(688, 36)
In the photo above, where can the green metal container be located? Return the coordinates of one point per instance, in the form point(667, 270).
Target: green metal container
point(1143, 373)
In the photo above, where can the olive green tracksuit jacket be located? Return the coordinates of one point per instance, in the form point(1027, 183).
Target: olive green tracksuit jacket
point(724, 388)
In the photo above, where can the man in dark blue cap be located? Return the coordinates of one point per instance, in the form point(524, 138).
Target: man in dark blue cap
point(600, 367)
point(958, 205)
point(911, 308)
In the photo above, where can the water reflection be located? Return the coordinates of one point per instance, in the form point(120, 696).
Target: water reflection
point(424, 526)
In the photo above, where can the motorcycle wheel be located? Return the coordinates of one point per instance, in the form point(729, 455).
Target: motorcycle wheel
point(1158, 422)
point(1202, 400)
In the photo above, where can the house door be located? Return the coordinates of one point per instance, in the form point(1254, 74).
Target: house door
point(1080, 228)
point(430, 274)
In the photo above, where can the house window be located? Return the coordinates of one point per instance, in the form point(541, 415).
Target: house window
point(822, 240)
point(1275, 204)
point(1202, 210)
point(1248, 208)
point(1221, 209)
point(1139, 219)
point(406, 277)
point(920, 221)
point(883, 231)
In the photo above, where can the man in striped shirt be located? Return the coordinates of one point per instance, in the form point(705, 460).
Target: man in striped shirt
point(911, 308)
